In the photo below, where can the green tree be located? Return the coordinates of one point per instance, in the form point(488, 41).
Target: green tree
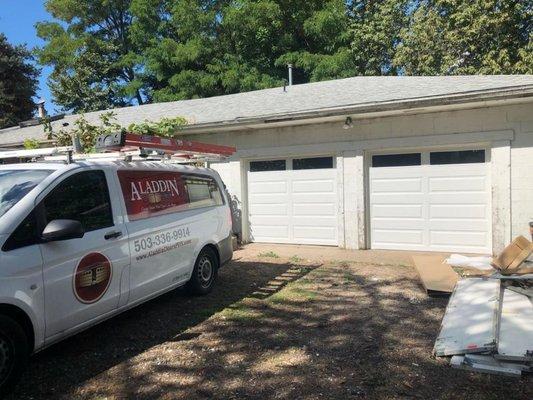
point(468, 37)
point(375, 32)
point(179, 38)
point(203, 48)
point(95, 63)
point(18, 83)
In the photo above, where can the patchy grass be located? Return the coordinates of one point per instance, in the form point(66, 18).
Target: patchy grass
point(295, 259)
point(240, 312)
point(296, 292)
point(268, 254)
point(341, 263)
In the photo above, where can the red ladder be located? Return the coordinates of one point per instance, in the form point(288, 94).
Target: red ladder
point(124, 141)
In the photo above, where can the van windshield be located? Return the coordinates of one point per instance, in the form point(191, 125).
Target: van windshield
point(17, 183)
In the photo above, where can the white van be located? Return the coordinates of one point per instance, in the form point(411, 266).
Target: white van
point(82, 242)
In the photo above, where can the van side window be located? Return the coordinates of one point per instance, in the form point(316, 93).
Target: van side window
point(153, 193)
point(203, 191)
point(82, 197)
point(25, 235)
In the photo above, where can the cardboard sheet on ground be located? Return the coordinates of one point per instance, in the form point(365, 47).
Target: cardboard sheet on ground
point(437, 278)
point(469, 323)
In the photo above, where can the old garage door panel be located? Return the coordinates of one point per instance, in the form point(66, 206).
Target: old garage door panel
point(431, 207)
point(301, 208)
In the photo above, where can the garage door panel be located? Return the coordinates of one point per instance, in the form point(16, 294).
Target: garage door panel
point(473, 198)
point(268, 199)
point(316, 198)
point(397, 211)
point(454, 238)
point(313, 186)
point(268, 187)
point(392, 185)
point(315, 221)
point(313, 210)
point(270, 231)
point(458, 211)
point(273, 220)
point(269, 209)
point(396, 199)
point(399, 223)
point(412, 171)
point(458, 170)
point(459, 224)
point(391, 236)
point(457, 184)
point(324, 232)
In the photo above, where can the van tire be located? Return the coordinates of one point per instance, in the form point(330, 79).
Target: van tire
point(14, 353)
point(205, 273)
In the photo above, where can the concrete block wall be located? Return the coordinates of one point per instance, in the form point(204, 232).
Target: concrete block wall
point(394, 132)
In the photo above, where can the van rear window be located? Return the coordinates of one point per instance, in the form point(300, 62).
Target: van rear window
point(153, 193)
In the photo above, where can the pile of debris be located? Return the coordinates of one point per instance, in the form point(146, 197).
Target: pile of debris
point(488, 323)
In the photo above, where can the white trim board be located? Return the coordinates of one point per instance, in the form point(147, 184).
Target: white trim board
point(460, 138)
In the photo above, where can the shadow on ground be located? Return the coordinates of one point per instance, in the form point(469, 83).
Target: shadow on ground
point(165, 319)
point(341, 331)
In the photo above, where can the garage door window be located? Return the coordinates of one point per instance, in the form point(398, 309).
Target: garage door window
point(457, 157)
point(312, 163)
point(396, 160)
point(270, 165)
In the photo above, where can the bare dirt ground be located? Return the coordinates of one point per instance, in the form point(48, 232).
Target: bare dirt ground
point(284, 322)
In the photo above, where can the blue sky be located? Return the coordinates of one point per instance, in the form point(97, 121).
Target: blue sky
point(17, 22)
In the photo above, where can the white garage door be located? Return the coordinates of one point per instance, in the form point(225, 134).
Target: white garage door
point(436, 201)
point(293, 201)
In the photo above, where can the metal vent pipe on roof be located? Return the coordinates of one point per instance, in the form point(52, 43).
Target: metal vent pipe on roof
point(290, 74)
point(41, 111)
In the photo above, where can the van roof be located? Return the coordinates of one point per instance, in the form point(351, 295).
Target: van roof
point(111, 164)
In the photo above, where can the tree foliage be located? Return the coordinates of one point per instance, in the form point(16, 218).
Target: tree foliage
point(468, 37)
point(87, 132)
point(18, 83)
point(108, 53)
point(95, 63)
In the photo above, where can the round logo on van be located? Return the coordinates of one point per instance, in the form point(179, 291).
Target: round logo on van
point(92, 277)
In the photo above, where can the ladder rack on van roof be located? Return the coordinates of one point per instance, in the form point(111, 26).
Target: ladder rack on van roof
point(124, 141)
point(129, 146)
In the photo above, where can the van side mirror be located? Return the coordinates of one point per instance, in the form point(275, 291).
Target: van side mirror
point(62, 229)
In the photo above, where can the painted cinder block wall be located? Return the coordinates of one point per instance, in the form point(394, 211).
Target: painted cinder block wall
point(506, 131)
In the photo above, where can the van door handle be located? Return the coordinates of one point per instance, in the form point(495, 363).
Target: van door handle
point(112, 235)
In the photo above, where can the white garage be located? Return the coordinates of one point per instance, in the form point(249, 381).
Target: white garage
point(430, 163)
point(432, 200)
point(293, 200)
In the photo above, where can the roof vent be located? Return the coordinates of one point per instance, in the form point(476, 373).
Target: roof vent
point(41, 111)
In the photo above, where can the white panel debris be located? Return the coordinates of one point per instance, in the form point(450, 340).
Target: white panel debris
point(469, 324)
point(515, 339)
point(482, 263)
point(487, 364)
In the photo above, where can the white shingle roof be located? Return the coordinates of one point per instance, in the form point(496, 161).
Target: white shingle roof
point(316, 97)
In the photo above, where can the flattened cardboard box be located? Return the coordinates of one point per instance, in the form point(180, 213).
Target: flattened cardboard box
point(438, 278)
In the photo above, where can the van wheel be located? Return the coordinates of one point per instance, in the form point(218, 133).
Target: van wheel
point(205, 272)
point(14, 353)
